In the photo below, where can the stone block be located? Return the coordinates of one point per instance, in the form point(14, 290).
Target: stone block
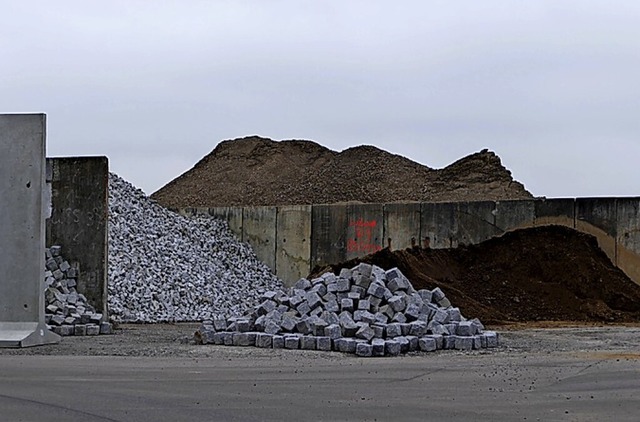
point(465, 328)
point(394, 330)
point(438, 338)
point(332, 306)
point(316, 312)
point(414, 343)
point(323, 343)
point(437, 294)
point(365, 332)
point(364, 305)
point(243, 325)
point(308, 342)
point(345, 273)
point(397, 303)
point(417, 328)
point(412, 312)
point(378, 331)
point(302, 284)
point(444, 303)
point(266, 306)
point(288, 323)
point(392, 348)
point(357, 292)
point(427, 344)
point(479, 327)
point(425, 295)
point(303, 326)
point(492, 339)
point(333, 331)
point(94, 330)
point(364, 316)
point(219, 323)
point(313, 299)
point(277, 342)
point(449, 342)
point(381, 318)
point(331, 318)
point(106, 328)
point(80, 330)
point(344, 285)
point(303, 309)
point(362, 281)
point(218, 338)
point(346, 305)
point(377, 347)
point(477, 341)
point(454, 314)
point(320, 289)
point(271, 328)
point(463, 343)
point(441, 316)
point(364, 350)
point(376, 290)
point(291, 342)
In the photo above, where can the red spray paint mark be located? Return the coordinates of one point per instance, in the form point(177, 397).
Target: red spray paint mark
point(362, 240)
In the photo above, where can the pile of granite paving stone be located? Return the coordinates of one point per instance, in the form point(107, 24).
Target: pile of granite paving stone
point(67, 311)
point(364, 310)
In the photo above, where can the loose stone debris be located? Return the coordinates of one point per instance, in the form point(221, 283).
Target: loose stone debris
point(164, 267)
point(364, 310)
point(67, 312)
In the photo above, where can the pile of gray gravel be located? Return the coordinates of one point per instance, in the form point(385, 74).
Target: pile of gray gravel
point(164, 267)
point(364, 310)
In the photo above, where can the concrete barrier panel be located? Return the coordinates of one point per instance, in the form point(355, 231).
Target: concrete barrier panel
point(439, 225)
point(22, 231)
point(78, 223)
point(293, 243)
point(628, 237)
point(476, 222)
point(232, 215)
point(511, 215)
point(259, 230)
point(560, 212)
point(597, 216)
point(401, 225)
point(328, 234)
point(365, 229)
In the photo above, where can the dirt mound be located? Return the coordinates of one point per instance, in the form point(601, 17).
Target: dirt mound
point(260, 171)
point(550, 273)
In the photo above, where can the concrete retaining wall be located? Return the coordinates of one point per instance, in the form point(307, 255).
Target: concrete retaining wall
point(293, 240)
point(78, 222)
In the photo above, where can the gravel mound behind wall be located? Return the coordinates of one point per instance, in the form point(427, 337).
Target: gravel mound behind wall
point(166, 267)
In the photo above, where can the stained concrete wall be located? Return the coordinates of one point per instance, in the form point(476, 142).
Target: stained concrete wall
point(78, 222)
point(341, 232)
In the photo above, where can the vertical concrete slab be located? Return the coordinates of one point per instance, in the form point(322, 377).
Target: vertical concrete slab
point(511, 215)
point(401, 225)
point(293, 243)
point(232, 215)
point(328, 234)
point(628, 237)
point(597, 216)
point(22, 231)
point(560, 212)
point(476, 222)
point(365, 229)
point(439, 225)
point(259, 230)
point(78, 223)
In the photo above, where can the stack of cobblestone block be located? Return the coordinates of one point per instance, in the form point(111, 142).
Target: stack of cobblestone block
point(67, 312)
point(364, 310)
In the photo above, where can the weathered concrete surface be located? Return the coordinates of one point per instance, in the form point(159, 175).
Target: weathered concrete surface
point(628, 237)
point(597, 216)
point(511, 215)
point(293, 243)
point(259, 230)
point(80, 195)
point(476, 222)
point(232, 215)
point(559, 211)
point(22, 231)
point(439, 225)
point(328, 234)
point(364, 229)
point(401, 225)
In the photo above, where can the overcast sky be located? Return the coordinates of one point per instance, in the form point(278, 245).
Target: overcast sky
point(553, 87)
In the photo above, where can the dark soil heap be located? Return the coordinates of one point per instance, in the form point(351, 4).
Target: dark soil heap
point(550, 273)
point(260, 171)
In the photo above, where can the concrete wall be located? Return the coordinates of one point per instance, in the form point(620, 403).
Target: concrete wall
point(78, 223)
point(22, 215)
point(327, 234)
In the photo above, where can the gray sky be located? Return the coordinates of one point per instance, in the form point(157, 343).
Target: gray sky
point(550, 86)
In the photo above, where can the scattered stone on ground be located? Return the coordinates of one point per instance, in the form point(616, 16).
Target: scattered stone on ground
point(67, 311)
point(550, 273)
point(166, 267)
point(259, 171)
point(364, 310)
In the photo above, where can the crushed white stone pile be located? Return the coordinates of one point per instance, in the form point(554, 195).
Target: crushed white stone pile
point(365, 310)
point(67, 311)
point(167, 267)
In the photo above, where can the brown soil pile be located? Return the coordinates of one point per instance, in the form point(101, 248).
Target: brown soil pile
point(259, 171)
point(548, 273)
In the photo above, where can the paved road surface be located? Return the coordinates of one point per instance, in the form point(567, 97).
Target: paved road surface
point(446, 386)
